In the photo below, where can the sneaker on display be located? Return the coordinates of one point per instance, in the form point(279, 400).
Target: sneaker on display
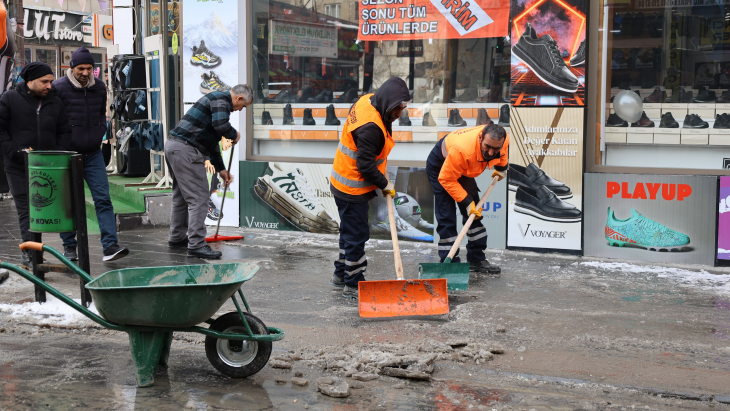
point(409, 210)
point(694, 121)
point(283, 97)
point(542, 56)
point(722, 121)
point(212, 83)
point(644, 121)
point(534, 177)
point(579, 58)
point(545, 205)
point(614, 120)
point(643, 232)
point(288, 192)
point(405, 230)
point(668, 121)
point(704, 96)
point(203, 56)
point(724, 97)
point(656, 97)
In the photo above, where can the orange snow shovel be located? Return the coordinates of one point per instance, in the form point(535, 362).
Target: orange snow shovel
point(401, 297)
point(217, 237)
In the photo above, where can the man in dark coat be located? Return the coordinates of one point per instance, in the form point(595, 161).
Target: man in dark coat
point(32, 117)
point(85, 99)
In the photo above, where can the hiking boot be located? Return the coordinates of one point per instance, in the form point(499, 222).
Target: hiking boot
point(70, 253)
point(694, 121)
point(288, 116)
point(324, 96)
point(722, 121)
point(347, 97)
point(350, 292)
point(336, 281)
point(484, 266)
point(203, 56)
point(266, 119)
point(644, 121)
point(504, 116)
point(308, 120)
point(483, 118)
point(205, 252)
point(579, 58)
point(656, 97)
point(542, 56)
point(212, 83)
point(332, 119)
point(114, 252)
point(404, 120)
point(455, 119)
point(427, 120)
point(614, 120)
point(178, 244)
point(668, 121)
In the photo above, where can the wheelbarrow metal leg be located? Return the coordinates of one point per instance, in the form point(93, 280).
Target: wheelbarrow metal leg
point(166, 345)
point(147, 347)
point(37, 259)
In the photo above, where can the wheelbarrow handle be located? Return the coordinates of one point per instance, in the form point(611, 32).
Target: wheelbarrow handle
point(467, 225)
point(32, 245)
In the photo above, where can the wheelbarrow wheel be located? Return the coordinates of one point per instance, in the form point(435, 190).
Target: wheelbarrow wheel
point(238, 358)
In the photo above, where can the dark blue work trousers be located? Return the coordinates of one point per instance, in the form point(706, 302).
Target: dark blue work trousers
point(445, 207)
point(354, 233)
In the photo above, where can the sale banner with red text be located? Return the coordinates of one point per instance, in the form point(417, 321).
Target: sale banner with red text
point(432, 19)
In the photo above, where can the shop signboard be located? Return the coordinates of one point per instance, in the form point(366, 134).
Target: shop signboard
point(56, 27)
point(404, 48)
point(302, 40)
point(723, 220)
point(657, 218)
point(297, 197)
point(210, 61)
point(544, 32)
point(432, 19)
point(545, 178)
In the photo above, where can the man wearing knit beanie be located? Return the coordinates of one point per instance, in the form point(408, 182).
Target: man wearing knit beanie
point(85, 99)
point(32, 117)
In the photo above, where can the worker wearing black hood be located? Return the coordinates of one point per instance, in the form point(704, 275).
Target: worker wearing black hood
point(359, 169)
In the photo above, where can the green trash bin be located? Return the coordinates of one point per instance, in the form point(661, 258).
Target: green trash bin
point(50, 191)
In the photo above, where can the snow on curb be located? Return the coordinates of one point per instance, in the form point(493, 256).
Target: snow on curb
point(699, 279)
point(52, 313)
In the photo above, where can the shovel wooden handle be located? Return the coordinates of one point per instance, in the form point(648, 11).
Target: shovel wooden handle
point(394, 236)
point(462, 234)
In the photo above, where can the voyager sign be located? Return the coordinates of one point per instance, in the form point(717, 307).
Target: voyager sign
point(56, 27)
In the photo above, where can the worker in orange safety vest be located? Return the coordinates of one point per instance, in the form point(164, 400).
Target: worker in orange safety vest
point(451, 167)
point(359, 169)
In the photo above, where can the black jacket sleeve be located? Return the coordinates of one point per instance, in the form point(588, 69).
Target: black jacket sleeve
point(63, 128)
point(369, 140)
point(9, 148)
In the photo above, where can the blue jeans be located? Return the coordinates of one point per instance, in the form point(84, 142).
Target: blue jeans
point(96, 179)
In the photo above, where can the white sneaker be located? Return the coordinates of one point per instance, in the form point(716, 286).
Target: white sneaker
point(409, 210)
point(287, 191)
point(405, 230)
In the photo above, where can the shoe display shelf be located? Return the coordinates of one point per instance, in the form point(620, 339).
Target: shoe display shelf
point(695, 136)
point(719, 137)
point(640, 135)
point(297, 132)
point(678, 110)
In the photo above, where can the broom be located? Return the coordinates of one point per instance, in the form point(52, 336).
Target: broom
point(217, 237)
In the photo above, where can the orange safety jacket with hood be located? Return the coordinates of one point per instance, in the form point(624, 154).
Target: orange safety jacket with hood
point(463, 157)
point(361, 160)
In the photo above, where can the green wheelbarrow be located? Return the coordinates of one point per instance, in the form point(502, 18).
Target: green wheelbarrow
point(150, 303)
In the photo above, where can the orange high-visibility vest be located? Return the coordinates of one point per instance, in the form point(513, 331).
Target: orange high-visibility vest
point(463, 157)
point(345, 175)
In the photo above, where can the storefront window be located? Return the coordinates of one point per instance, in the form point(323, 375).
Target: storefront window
point(673, 59)
point(452, 81)
point(49, 57)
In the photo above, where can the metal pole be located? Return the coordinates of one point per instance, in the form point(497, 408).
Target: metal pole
point(82, 234)
point(36, 257)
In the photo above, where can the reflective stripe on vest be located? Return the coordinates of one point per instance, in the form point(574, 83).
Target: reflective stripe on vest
point(348, 182)
point(353, 154)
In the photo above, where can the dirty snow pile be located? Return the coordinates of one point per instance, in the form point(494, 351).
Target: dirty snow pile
point(414, 360)
point(699, 279)
point(53, 312)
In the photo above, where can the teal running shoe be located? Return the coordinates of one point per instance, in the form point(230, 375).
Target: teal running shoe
point(643, 232)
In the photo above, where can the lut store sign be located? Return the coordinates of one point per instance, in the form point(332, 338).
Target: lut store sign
point(57, 28)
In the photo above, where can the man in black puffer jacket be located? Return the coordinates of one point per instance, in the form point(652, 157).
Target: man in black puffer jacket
point(32, 117)
point(85, 99)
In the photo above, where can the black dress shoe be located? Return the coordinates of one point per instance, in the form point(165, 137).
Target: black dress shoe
point(545, 205)
point(534, 177)
point(484, 266)
point(178, 244)
point(205, 252)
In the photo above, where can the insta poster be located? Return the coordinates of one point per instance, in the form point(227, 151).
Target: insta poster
point(663, 219)
point(297, 197)
point(545, 178)
point(723, 220)
point(548, 52)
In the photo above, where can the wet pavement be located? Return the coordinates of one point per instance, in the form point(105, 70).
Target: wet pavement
point(570, 333)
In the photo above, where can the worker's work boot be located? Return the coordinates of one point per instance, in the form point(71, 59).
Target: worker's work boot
point(288, 117)
point(455, 119)
point(332, 119)
point(404, 120)
point(337, 281)
point(484, 266)
point(308, 120)
point(266, 119)
point(483, 118)
point(205, 252)
point(349, 292)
